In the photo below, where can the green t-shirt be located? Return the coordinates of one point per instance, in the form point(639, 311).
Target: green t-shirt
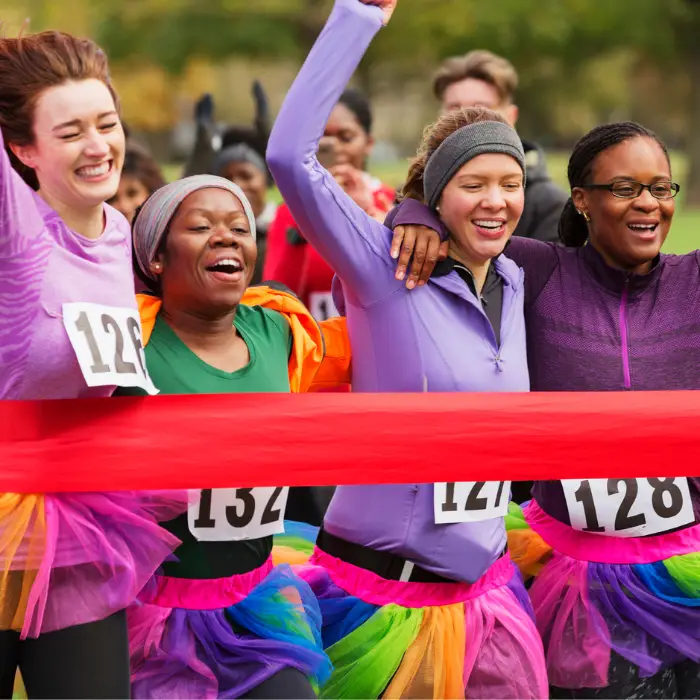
point(175, 369)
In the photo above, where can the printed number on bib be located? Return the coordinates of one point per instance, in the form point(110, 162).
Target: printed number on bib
point(470, 501)
point(321, 306)
point(628, 507)
point(225, 515)
point(107, 343)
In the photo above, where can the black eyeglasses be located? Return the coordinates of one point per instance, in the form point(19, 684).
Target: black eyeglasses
point(632, 190)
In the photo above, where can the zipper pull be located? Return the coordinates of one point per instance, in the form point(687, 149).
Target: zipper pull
point(498, 360)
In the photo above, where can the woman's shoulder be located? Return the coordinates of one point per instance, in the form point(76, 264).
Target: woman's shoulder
point(260, 319)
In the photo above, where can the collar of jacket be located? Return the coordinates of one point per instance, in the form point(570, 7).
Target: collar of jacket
point(615, 280)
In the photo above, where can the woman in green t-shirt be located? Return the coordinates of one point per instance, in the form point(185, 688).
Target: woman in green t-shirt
point(221, 620)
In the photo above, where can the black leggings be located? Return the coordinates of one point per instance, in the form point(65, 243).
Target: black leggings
point(680, 681)
point(289, 684)
point(85, 661)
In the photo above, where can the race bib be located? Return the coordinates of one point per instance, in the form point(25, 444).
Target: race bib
point(470, 501)
point(321, 306)
point(231, 515)
point(628, 507)
point(107, 343)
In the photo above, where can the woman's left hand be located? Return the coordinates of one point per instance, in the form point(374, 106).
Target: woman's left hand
point(424, 245)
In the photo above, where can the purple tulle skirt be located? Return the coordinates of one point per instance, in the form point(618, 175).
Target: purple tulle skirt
point(221, 638)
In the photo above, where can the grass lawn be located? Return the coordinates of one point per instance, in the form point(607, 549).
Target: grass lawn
point(685, 232)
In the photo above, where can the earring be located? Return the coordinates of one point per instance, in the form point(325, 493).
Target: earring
point(584, 214)
point(157, 267)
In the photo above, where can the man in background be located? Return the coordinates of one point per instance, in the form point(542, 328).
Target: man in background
point(480, 78)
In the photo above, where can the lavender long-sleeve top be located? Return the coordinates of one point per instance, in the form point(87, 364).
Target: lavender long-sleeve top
point(437, 335)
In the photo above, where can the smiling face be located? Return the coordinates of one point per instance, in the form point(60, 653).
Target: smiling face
point(351, 144)
point(78, 148)
point(481, 206)
point(209, 256)
point(628, 233)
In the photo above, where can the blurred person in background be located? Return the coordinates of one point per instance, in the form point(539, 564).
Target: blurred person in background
point(344, 150)
point(481, 78)
point(140, 178)
point(237, 154)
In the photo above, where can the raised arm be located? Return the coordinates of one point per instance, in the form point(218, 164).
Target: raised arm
point(20, 221)
point(352, 243)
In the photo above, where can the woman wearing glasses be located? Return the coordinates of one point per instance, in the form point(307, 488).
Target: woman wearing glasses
point(616, 561)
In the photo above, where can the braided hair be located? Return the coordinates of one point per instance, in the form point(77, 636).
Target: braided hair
point(573, 230)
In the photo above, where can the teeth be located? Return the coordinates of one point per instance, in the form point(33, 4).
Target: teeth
point(643, 227)
point(228, 263)
point(94, 170)
point(488, 223)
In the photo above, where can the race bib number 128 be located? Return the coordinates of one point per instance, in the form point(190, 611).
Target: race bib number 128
point(628, 507)
point(107, 342)
point(470, 501)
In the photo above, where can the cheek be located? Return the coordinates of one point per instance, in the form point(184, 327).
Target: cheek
point(516, 203)
point(458, 204)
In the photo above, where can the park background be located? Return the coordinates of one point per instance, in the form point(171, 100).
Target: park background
point(581, 63)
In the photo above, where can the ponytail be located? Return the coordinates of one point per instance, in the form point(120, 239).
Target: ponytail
point(573, 230)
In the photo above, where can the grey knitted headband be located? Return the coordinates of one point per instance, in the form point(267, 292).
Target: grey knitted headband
point(464, 145)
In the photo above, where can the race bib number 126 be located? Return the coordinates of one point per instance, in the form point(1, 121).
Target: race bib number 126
point(628, 507)
point(107, 342)
point(470, 501)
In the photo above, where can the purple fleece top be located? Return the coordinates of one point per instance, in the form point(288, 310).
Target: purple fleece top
point(591, 327)
point(401, 340)
point(44, 264)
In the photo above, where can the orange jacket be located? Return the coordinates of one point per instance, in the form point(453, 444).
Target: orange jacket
point(320, 358)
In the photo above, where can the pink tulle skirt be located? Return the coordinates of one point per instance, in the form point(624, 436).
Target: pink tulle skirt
point(72, 558)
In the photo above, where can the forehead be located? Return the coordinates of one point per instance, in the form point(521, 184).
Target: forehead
point(211, 199)
point(82, 99)
point(639, 158)
point(471, 92)
point(490, 165)
point(342, 118)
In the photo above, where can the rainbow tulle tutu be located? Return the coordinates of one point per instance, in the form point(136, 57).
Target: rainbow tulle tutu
point(392, 639)
point(592, 594)
point(220, 638)
point(72, 558)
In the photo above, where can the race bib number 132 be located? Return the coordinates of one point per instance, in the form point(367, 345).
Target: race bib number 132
point(107, 342)
point(628, 507)
point(230, 515)
point(470, 501)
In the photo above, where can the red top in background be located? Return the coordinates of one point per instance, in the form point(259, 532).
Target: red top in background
point(293, 262)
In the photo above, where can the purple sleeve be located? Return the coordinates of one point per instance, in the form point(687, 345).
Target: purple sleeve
point(20, 222)
point(411, 212)
point(356, 246)
point(537, 259)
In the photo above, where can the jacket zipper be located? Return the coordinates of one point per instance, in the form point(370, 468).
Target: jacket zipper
point(624, 340)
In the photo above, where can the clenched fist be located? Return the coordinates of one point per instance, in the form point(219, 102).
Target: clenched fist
point(388, 7)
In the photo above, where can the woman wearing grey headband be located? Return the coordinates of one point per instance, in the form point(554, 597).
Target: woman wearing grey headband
point(384, 552)
point(228, 623)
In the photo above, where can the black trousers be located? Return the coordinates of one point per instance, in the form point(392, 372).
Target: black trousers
point(680, 681)
point(288, 684)
point(85, 661)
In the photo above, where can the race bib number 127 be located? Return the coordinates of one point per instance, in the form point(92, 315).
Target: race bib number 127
point(107, 342)
point(628, 507)
point(470, 501)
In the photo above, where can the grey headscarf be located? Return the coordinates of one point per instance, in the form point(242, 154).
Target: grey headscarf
point(464, 145)
point(152, 221)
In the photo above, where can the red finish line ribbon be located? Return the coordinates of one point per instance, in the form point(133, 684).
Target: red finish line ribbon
point(245, 440)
